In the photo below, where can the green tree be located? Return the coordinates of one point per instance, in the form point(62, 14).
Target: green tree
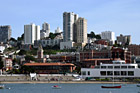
point(29, 58)
point(22, 52)
point(13, 39)
point(52, 36)
point(98, 37)
point(21, 38)
point(15, 61)
point(26, 70)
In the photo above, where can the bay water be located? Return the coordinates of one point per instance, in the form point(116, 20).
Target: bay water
point(67, 88)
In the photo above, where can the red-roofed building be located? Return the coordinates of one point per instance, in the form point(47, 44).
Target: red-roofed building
point(51, 68)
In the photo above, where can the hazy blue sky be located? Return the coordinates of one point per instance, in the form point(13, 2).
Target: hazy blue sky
point(119, 16)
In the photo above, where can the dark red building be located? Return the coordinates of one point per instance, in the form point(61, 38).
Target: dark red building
point(51, 68)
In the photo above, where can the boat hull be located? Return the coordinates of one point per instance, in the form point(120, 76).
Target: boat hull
point(1, 87)
point(111, 86)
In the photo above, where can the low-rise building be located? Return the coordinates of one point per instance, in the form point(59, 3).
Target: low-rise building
point(118, 69)
point(124, 39)
point(2, 48)
point(135, 49)
point(51, 68)
point(47, 42)
point(7, 62)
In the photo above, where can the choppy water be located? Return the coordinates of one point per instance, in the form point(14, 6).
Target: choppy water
point(67, 88)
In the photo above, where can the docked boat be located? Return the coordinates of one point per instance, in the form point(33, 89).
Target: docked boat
point(111, 86)
point(1, 86)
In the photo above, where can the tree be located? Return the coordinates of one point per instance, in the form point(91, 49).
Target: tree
point(52, 36)
point(30, 58)
point(26, 70)
point(92, 35)
point(21, 38)
point(22, 52)
point(98, 37)
point(15, 61)
point(13, 39)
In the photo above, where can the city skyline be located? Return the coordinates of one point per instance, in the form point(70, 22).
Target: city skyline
point(121, 17)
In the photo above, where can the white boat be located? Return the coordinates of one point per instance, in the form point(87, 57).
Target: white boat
point(77, 79)
point(1, 86)
point(138, 85)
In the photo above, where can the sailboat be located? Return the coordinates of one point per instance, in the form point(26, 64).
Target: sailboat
point(113, 84)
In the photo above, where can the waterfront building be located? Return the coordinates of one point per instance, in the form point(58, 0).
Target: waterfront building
point(108, 35)
point(31, 33)
point(51, 68)
point(118, 69)
point(124, 39)
point(5, 33)
point(69, 18)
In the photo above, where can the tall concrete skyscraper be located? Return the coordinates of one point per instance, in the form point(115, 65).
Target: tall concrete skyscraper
point(68, 25)
point(5, 33)
point(45, 26)
point(81, 30)
point(45, 30)
point(31, 33)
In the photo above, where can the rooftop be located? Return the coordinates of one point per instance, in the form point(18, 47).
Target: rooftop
point(48, 64)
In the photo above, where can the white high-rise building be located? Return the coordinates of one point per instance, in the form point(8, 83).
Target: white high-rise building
point(58, 30)
point(45, 26)
point(31, 33)
point(68, 25)
point(81, 30)
point(45, 30)
point(109, 35)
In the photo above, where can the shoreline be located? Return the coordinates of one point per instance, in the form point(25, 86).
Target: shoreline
point(43, 82)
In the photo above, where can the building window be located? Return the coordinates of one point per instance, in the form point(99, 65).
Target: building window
point(117, 67)
point(83, 72)
point(116, 73)
point(123, 67)
point(131, 66)
point(109, 73)
point(110, 67)
point(103, 73)
point(88, 72)
point(130, 73)
point(103, 67)
point(123, 73)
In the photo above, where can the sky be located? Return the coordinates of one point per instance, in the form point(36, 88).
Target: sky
point(119, 16)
